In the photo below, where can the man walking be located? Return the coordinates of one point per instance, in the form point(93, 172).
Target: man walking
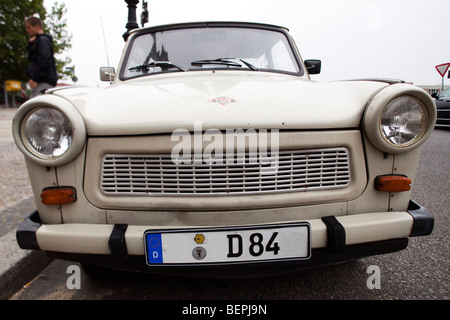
point(42, 70)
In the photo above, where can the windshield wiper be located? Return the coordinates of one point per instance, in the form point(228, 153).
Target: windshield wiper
point(220, 61)
point(226, 62)
point(249, 65)
point(162, 64)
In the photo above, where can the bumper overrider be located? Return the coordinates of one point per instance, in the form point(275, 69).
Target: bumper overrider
point(333, 240)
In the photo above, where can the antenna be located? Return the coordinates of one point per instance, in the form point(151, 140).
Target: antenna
point(106, 49)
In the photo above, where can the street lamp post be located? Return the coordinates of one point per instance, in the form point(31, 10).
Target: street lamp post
point(144, 14)
point(132, 22)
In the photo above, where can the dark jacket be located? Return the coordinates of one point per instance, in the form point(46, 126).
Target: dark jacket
point(42, 67)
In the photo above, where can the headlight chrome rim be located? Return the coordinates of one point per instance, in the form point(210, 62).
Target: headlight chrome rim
point(61, 106)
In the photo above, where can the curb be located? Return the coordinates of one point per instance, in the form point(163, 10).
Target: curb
point(18, 266)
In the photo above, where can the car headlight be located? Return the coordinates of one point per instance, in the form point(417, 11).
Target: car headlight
point(399, 118)
point(403, 121)
point(49, 130)
point(47, 133)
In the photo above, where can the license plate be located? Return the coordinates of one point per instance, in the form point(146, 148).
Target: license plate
point(247, 244)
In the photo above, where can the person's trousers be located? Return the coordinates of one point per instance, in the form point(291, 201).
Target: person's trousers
point(40, 86)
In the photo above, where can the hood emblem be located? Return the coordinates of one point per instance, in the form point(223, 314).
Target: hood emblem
point(223, 100)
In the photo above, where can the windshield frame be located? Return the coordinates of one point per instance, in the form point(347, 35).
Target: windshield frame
point(136, 33)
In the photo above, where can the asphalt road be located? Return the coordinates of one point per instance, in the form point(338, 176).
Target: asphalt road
point(419, 272)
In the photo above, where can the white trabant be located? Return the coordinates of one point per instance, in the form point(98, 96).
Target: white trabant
point(213, 153)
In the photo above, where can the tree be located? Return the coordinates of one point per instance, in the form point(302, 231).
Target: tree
point(13, 38)
point(56, 25)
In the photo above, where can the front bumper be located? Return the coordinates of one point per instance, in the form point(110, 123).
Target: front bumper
point(333, 240)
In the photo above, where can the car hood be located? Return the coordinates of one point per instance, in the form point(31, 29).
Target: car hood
point(220, 100)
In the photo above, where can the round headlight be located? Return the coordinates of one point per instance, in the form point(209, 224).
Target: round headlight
point(403, 121)
point(47, 132)
point(399, 118)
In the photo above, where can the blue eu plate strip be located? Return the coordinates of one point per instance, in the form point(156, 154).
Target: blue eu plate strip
point(154, 248)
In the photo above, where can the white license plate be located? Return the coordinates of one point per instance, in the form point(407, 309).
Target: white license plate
point(281, 242)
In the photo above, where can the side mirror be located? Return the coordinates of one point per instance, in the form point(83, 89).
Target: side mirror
point(313, 66)
point(434, 95)
point(107, 73)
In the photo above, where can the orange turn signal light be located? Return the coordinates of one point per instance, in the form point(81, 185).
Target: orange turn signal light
point(58, 195)
point(392, 183)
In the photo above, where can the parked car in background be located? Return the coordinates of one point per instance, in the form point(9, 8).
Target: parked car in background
point(442, 101)
point(213, 153)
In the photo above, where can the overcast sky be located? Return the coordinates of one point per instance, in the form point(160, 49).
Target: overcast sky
point(355, 39)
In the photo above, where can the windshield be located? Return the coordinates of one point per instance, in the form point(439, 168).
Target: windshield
point(191, 49)
point(444, 94)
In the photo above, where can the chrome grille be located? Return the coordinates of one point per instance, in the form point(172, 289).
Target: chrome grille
point(157, 174)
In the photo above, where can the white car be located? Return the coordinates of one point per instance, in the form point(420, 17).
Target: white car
point(214, 153)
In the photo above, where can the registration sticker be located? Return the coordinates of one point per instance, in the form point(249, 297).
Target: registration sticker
point(228, 245)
